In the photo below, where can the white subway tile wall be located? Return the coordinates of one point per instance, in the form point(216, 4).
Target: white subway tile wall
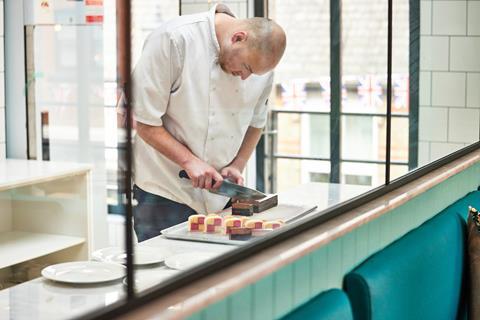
point(439, 149)
point(2, 87)
point(426, 18)
point(432, 124)
point(423, 152)
point(448, 89)
point(449, 17)
point(433, 53)
point(463, 125)
point(473, 90)
point(473, 28)
point(464, 53)
point(449, 116)
point(425, 88)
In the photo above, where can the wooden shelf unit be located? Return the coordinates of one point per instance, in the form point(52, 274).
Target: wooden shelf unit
point(45, 210)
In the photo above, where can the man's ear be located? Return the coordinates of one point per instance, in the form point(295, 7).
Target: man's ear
point(239, 36)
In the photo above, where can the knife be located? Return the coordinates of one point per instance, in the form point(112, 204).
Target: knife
point(230, 189)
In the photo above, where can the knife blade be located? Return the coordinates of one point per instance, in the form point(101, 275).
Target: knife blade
point(230, 189)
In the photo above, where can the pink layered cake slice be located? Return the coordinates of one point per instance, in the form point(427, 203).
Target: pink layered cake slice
point(254, 224)
point(196, 222)
point(272, 224)
point(213, 223)
point(232, 222)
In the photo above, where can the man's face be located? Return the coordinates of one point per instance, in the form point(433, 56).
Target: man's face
point(238, 59)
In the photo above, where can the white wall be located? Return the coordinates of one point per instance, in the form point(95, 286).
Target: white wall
point(2, 88)
point(238, 7)
point(449, 77)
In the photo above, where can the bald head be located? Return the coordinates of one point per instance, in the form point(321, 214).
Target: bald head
point(266, 37)
point(248, 46)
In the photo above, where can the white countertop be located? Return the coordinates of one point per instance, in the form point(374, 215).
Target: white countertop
point(44, 299)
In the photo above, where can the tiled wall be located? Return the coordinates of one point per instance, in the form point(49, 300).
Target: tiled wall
point(449, 77)
point(279, 293)
point(2, 87)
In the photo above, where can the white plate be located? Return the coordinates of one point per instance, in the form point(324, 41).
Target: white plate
point(143, 255)
point(188, 260)
point(84, 272)
point(145, 279)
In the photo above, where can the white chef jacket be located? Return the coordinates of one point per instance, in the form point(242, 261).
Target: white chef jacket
point(178, 84)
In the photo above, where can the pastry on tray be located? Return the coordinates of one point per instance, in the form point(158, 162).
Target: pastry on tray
point(196, 222)
point(274, 224)
point(240, 234)
point(232, 222)
point(254, 224)
point(213, 223)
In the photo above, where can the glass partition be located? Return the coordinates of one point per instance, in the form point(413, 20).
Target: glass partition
point(326, 136)
point(325, 140)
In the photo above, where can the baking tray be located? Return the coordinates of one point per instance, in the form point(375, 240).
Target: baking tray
point(285, 212)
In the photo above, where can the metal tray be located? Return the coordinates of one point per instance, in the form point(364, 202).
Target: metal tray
point(285, 212)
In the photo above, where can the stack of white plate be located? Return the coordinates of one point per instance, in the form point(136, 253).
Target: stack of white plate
point(84, 272)
point(108, 266)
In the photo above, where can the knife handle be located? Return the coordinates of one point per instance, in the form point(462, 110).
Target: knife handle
point(183, 174)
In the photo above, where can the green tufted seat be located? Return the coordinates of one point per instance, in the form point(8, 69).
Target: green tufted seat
point(329, 305)
point(419, 276)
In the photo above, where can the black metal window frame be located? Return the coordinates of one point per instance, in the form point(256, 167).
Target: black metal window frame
point(187, 277)
point(336, 112)
point(335, 141)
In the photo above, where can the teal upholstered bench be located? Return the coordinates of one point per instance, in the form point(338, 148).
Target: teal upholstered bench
point(329, 305)
point(419, 276)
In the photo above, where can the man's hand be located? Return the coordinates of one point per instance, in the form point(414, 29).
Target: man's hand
point(203, 175)
point(233, 173)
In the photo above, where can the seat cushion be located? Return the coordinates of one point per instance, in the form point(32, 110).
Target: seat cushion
point(329, 305)
point(418, 276)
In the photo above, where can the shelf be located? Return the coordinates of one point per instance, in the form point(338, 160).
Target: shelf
point(18, 173)
point(18, 246)
point(71, 200)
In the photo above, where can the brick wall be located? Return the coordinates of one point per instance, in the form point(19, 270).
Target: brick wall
point(449, 77)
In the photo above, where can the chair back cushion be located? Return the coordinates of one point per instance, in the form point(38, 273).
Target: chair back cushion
point(419, 276)
point(328, 305)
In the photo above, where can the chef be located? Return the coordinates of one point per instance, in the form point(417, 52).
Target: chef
point(199, 101)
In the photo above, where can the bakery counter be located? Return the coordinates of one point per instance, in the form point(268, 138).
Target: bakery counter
point(44, 299)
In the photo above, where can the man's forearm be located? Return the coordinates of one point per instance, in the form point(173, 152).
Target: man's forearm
point(165, 143)
point(248, 145)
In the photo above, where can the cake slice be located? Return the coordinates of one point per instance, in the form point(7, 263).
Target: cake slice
point(213, 223)
point(272, 224)
point(196, 222)
point(232, 222)
point(254, 224)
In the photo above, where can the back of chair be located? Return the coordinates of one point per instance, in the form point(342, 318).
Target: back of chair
point(418, 276)
point(329, 305)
